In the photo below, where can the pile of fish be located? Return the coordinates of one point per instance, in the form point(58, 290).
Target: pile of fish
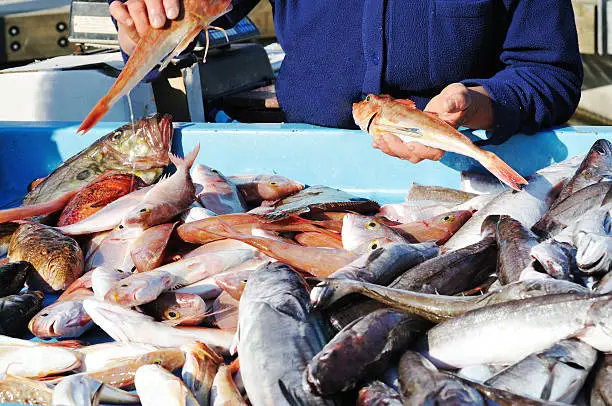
point(203, 289)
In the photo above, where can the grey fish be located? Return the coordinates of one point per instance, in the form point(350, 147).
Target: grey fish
point(556, 373)
point(596, 167)
point(438, 308)
point(507, 332)
point(514, 242)
point(362, 349)
point(144, 153)
point(443, 194)
point(321, 198)
point(377, 393)
point(17, 310)
point(380, 266)
point(422, 384)
point(566, 212)
point(13, 276)
point(591, 237)
point(601, 393)
point(277, 331)
point(556, 259)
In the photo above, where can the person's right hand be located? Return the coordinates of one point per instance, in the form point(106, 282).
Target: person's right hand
point(134, 17)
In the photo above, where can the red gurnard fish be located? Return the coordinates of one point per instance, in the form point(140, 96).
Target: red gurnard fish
point(158, 44)
point(400, 117)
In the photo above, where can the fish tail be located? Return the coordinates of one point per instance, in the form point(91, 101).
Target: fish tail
point(186, 162)
point(39, 209)
point(94, 116)
point(502, 170)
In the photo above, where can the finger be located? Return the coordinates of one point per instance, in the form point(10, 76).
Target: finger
point(120, 13)
point(138, 12)
point(375, 145)
point(157, 15)
point(456, 98)
point(128, 38)
point(172, 8)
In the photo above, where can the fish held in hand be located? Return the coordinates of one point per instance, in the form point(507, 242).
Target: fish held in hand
point(155, 46)
point(57, 258)
point(143, 152)
point(167, 198)
point(384, 114)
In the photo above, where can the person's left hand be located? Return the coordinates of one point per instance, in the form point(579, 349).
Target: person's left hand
point(457, 105)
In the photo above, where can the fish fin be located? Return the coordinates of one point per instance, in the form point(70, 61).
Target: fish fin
point(407, 102)
point(181, 46)
point(432, 113)
point(399, 130)
point(186, 162)
point(94, 116)
point(501, 170)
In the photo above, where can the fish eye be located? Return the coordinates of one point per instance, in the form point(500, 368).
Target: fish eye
point(121, 227)
point(368, 98)
point(157, 362)
point(273, 183)
point(172, 315)
point(374, 244)
point(117, 135)
point(449, 219)
point(44, 315)
point(124, 285)
point(214, 171)
point(599, 150)
point(145, 210)
point(371, 225)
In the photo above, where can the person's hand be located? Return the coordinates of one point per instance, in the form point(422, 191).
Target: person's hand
point(134, 17)
point(457, 105)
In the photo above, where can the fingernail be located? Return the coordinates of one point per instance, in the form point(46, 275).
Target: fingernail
point(172, 13)
point(157, 21)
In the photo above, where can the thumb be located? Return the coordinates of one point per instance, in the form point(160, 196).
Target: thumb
point(457, 98)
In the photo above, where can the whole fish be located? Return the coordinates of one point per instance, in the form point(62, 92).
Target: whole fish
point(439, 308)
point(317, 239)
point(114, 251)
point(566, 212)
point(380, 266)
point(127, 325)
point(140, 148)
point(148, 250)
point(429, 192)
point(526, 206)
point(167, 198)
point(215, 192)
point(144, 287)
point(16, 389)
point(507, 332)
point(557, 373)
point(384, 114)
point(259, 187)
point(6, 232)
point(77, 390)
point(103, 279)
point(121, 372)
point(13, 276)
point(37, 361)
point(596, 167)
point(64, 318)
point(109, 217)
point(377, 393)
point(157, 386)
point(438, 228)
point(316, 261)
point(224, 390)
point(200, 369)
point(362, 349)
point(514, 243)
point(98, 357)
point(556, 258)
point(321, 198)
point(155, 46)
point(277, 332)
point(177, 308)
point(101, 191)
point(422, 384)
point(57, 258)
point(601, 393)
point(17, 310)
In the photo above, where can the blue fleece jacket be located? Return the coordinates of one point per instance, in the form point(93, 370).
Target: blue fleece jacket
point(523, 52)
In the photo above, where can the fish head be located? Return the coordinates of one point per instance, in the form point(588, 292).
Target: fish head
point(273, 186)
point(365, 111)
point(186, 308)
point(600, 156)
point(362, 233)
point(140, 217)
point(452, 221)
point(211, 179)
point(141, 146)
point(61, 319)
point(138, 289)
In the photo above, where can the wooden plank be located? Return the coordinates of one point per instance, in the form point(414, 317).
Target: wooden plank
point(263, 19)
point(586, 16)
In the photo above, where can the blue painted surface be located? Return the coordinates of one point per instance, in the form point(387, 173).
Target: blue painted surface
point(313, 155)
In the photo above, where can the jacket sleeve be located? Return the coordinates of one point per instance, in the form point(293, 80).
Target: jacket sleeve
point(240, 9)
point(539, 84)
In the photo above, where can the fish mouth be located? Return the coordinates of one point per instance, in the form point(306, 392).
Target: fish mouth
point(370, 120)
